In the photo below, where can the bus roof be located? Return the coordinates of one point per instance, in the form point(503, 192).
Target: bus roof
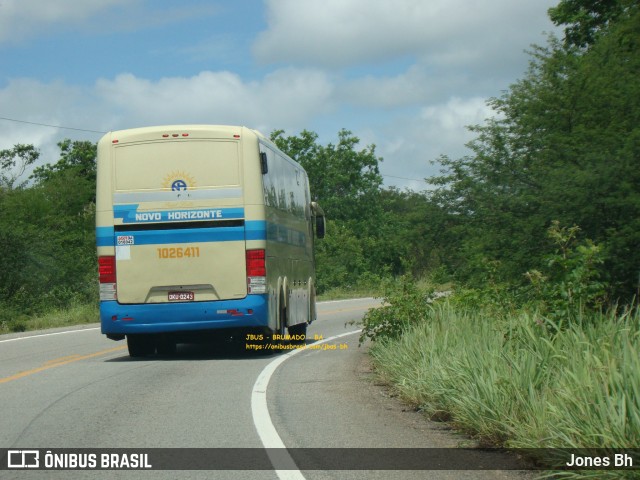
point(177, 131)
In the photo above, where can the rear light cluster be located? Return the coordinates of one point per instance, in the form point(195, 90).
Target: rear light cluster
point(256, 272)
point(107, 276)
point(174, 135)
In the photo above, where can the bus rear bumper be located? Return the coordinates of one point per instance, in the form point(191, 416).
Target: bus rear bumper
point(121, 319)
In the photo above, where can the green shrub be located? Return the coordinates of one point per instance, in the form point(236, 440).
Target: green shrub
point(569, 283)
point(404, 304)
point(11, 319)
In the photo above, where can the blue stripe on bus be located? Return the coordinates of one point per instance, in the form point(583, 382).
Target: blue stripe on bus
point(283, 234)
point(129, 214)
point(255, 230)
point(104, 237)
point(116, 318)
point(189, 235)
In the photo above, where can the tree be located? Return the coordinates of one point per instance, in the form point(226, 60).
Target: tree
point(71, 181)
point(13, 164)
point(565, 146)
point(344, 180)
point(77, 157)
point(586, 19)
point(47, 231)
point(362, 241)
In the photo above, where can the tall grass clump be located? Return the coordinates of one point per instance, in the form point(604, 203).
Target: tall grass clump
point(75, 314)
point(515, 382)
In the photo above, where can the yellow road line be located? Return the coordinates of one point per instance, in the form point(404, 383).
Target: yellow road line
point(61, 359)
point(58, 362)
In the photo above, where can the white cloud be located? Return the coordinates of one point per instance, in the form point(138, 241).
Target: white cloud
point(283, 98)
point(286, 98)
point(412, 88)
point(410, 143)
point(408, 88)
point(54, 103)
point(338, 33)
point(289, 98)
point(456, 113)
point(23, 18)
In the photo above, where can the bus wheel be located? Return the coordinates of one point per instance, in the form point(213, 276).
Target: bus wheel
point(140, 345)
point(165, 345)
point(298, 333)
point(282, 323)
point(281, 327)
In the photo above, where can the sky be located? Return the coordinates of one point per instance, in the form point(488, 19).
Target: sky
point(405, 75)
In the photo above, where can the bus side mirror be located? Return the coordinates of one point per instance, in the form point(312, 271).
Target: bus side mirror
point(318, 214)
point(263, 163)
point(320, 226)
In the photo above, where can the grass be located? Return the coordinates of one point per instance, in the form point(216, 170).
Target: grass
point(74, 315)
point(367, 286)
point(511, 382)
point(342, 293)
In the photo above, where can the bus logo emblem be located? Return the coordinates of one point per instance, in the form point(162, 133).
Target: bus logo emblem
point(179, 181)
point(179, 185)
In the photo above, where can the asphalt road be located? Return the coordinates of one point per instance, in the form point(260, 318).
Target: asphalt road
point(76, 389)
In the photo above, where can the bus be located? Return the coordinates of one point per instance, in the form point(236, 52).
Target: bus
point(203, 231)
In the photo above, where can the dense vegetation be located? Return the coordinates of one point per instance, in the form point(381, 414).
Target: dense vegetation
point(564, 146)
point(47, 235)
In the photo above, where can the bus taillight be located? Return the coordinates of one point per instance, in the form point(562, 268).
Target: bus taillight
point(107, 269)
point(256, 271)
point(107, 276)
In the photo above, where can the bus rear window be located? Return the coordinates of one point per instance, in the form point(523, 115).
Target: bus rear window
point(176, 165)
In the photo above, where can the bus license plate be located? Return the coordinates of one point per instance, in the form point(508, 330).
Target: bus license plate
point(181, 296)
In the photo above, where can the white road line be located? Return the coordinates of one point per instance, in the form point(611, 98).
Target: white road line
point(261, 418)
point(49, 334)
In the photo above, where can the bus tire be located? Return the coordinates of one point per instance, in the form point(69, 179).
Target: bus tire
point(140, 345)
point(282, 320)
point(281, 326)
point(298, 333)
point(166, 345)
point(313, 313)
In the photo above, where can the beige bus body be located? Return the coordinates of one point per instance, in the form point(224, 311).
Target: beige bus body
point(201, 230)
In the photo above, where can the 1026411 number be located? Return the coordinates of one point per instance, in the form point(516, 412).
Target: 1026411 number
point(179, 252)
